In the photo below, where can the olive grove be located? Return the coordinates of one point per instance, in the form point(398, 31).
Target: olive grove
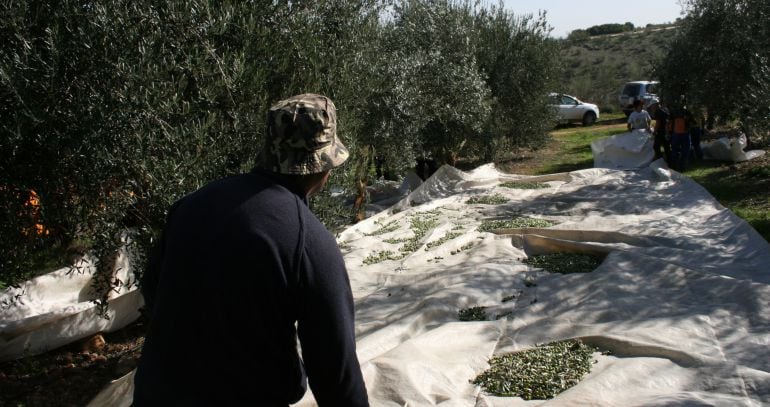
point(112, 110)
point(720, 61)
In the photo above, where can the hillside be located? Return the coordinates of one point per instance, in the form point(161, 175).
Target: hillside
point(596, 67)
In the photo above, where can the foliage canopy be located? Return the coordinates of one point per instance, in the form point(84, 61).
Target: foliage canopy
point(112, 110)
point(720, 61)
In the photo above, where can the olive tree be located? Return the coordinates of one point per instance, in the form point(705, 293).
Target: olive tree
point(456, 77)
point(332, 47)
point(112, 110)
point(434, 95)
point(520, 65)
point(720, 60)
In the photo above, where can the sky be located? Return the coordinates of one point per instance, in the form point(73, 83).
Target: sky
point(567, 15)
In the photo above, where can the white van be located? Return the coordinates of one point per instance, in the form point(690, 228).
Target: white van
point(646, 91)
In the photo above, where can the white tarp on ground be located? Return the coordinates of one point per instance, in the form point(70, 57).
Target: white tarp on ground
point(633, 150)
point(55, 309)
point(623, 151)
point(682, 299)
point(729, 149)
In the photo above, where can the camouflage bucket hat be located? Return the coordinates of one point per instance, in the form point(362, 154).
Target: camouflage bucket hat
point(302, 136)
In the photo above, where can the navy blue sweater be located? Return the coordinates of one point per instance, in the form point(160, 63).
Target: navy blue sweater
point(242, 269)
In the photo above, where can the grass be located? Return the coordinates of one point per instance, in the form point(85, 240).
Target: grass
point(605, 117)
point(572, 148)
point(744, 188)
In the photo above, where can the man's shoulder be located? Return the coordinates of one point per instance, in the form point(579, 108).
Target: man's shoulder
point(224, 183)
point(239, 193)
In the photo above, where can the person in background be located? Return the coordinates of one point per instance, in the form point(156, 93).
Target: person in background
point(696, 134)
point(639, 119)
point(242, 270)
point(659, 112)
point(679, 127)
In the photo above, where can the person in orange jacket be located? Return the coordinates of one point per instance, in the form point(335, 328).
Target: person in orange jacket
point(679, 128)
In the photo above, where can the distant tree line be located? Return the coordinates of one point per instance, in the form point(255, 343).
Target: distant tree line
point(605, 29)
point(602, 29)
point(112, 110)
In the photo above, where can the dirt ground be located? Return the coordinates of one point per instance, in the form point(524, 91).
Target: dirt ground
point(74, 374)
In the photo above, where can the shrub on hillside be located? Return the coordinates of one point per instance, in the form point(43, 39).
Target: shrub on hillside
point(605, 29)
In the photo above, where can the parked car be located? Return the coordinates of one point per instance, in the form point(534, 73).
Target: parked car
point(572, 109)
point(646, 91)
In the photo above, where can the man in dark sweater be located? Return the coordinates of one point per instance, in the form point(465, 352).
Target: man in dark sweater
point(659, 113)
point(243, 268)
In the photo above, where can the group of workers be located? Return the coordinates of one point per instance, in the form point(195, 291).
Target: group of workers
point(677, 132)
